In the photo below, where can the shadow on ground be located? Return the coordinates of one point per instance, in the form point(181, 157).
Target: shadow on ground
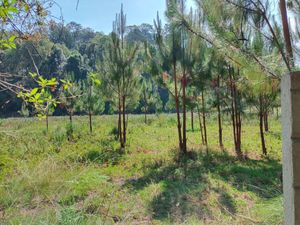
point(188, 185)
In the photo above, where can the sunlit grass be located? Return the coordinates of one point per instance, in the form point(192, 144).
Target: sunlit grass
point(48, 179)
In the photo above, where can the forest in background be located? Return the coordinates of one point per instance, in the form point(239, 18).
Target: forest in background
point(70, 51)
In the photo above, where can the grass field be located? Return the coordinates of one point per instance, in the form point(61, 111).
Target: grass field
point(84, 179)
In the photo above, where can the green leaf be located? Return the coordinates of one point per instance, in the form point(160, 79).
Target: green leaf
point(34, 91)
point(12, 39)
point(37, 96)
point(51, 83)
point(97, 82)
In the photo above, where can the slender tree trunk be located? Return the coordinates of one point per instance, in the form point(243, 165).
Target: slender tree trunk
point(200, 124)
point(261, 124)
point(184, 145)
point(90, 120)
point(204, 118)
point(192, 119)
point(239, 132)
point(71, 118)
point(124, 120)
point(238, 119)
point(266, 121)
point(235, 115)
point(220, 128)
point(177, 107)
point(233, 119)
point(219, 116)
point(204, 122)
point(286, 33)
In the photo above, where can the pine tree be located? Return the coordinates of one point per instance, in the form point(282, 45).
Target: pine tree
point(120, 75)
point(91, 100)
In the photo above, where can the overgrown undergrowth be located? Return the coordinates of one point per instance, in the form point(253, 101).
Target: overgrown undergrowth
point(52, 179)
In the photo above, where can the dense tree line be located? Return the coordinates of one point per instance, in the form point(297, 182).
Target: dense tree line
point(63, 51)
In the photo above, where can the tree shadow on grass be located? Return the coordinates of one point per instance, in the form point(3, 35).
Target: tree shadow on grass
point(183, 190)
point(261, 177)
point(186, 186)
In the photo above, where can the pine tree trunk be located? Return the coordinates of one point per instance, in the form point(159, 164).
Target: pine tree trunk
point(286, 34)
point(184, 145)
point(124, 121)
point(70, 118)
point(200, 124)
point(219, 116)
point(235, 115)
point(90, 120)
point(204, 118)
point(220, 128)
point(177, 108)
point(266, 121)
point(261, 128)
point(239, 132)
point(238, 121)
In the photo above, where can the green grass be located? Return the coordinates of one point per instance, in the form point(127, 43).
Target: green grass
point(83, 178)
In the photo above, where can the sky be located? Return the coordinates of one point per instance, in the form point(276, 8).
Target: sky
point(99, 14)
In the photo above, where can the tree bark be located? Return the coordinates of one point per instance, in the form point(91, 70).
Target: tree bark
point(184, 140)
point(286, 33)
point(261, 124)
point(219, 116)
point(235, 115)
point(200, 125)
point(124, 121)
point(90, 121)
point(70, 118)
point(204, 122)
point(266, 121)
point(177, 107)
point(204, 118)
